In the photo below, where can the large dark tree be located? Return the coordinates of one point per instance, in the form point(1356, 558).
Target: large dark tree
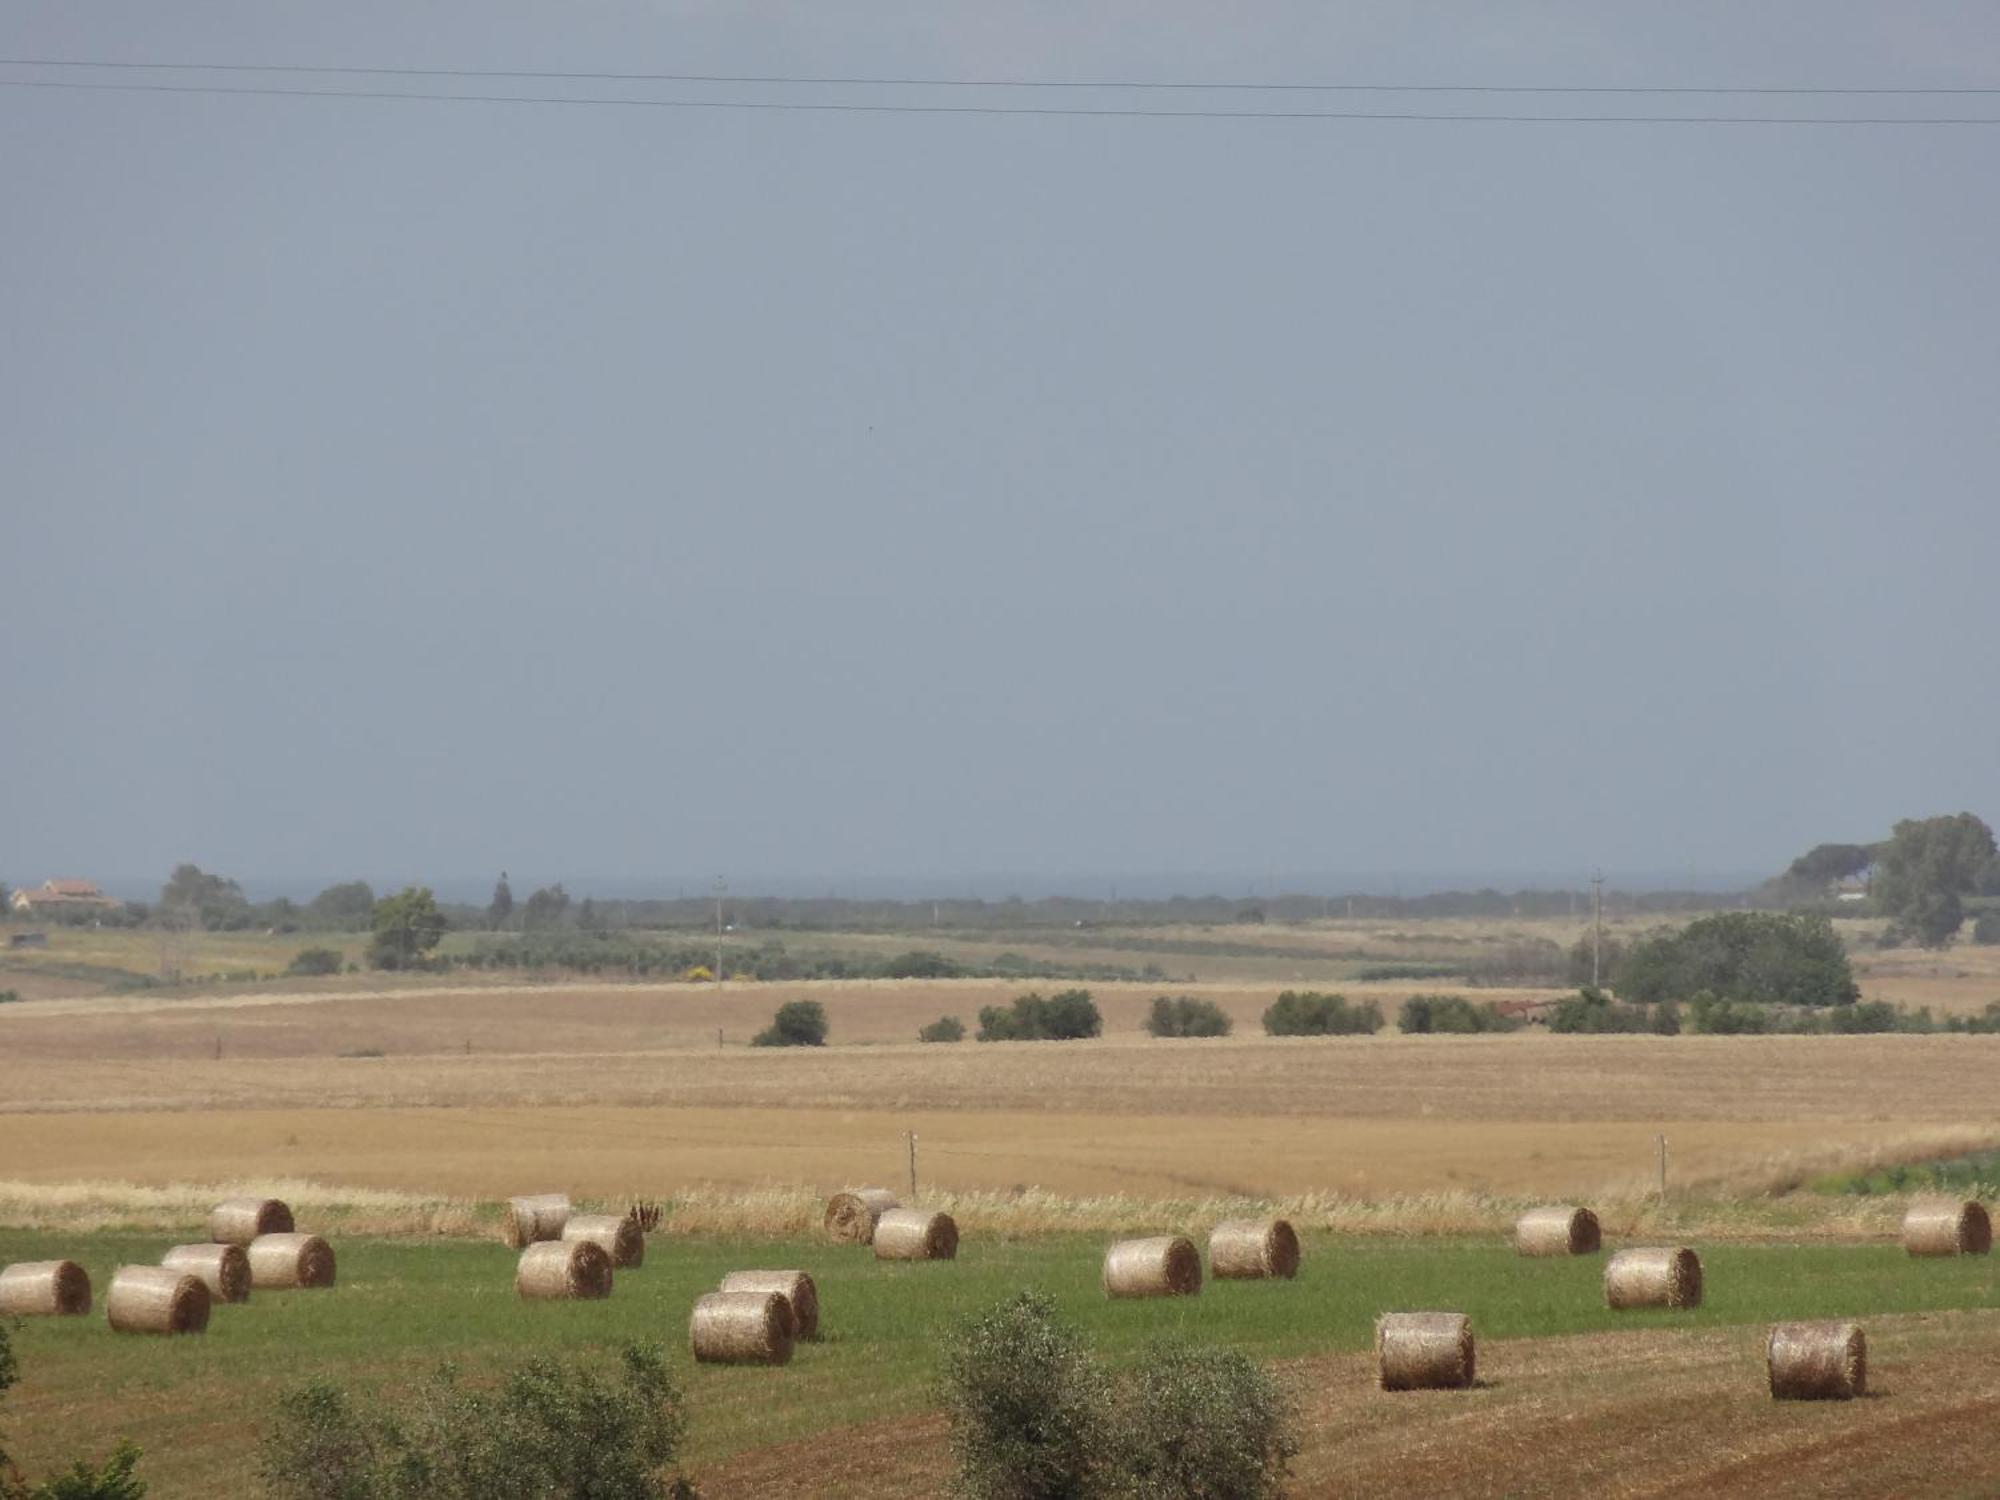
point(1926, 867)
point(1741, 955)
point(195, 897)
point(407, 926)
point(347, 907)
point(501, 907)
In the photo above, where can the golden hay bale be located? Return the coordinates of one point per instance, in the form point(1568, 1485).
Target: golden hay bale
point(223, 1269)
point(44, 1289)
point(1166, 1266)
point(1817, 1361)
point(915, 1234)
point(1653, 1278)
point(530, 1220)
point(851, 1216)
point(564, 1269)
point(617, 1235)
point(240, 1220)
point(289, 1260)
point(154, 1299)
point(1253, 1249)
point(1424, 1351)
point(796, 1287)
point(741, 1328)
point(1944, 1227)
point(1560, 1230)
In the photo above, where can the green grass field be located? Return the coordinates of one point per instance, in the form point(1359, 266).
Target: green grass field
point(401, 1307)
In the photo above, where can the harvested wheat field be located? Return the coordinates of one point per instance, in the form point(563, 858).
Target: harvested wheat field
point(1630, 1416)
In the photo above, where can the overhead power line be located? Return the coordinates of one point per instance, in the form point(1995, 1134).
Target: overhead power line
point(890, 108)
point(831, 81)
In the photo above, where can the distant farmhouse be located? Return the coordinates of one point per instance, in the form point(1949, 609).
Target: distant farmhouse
point(64, 895)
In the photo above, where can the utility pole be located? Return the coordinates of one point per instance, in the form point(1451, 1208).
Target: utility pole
point(1597, 929)
point(721, 887)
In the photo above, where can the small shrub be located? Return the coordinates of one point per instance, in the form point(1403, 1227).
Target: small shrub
point(798, 1023)
point(920, 964)
point(1030, 1410)
point(1309, 1013)
point(1987, 928)
point(1201, 1423)
point(9, 997)
point(1451, 1013)
point(943, 1029)
point(1182, 1016)
point(1592, 1011)
point(552, 1430)
point(115, 1481)
point(315, 961)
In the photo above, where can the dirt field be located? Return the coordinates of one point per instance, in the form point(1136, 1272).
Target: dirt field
point(1640, 1416)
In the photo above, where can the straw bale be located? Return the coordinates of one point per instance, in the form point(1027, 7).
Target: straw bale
point(851, 1216)
point(536, 1217)
point(741, 1328)
point(1424, 1351)
point(1559, 1230)
point(617, 1235)
point(290, 1260)
point(914, 1234)
point(557, 1270)
point(1253, 1249)
point(1945, 1227)
point(796, 1287)
point(238, 1221)
point(1166, 1266)
point(154, 1299)
point(1817, 1361)
point(223, 1269)
point(44, 1289)
point(1653, 1278)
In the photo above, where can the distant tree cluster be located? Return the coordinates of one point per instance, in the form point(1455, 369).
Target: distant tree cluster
point(1765, 958)
point(1069, 1015)
point(1451, 1013)
point(1185, 1016)
point(1310, 1013)
point(1928, 868)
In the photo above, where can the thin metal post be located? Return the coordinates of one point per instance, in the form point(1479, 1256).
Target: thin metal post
point(913, 1163)
point(1663, 1167)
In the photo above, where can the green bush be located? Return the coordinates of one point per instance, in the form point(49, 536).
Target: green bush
point(943, 1029)
point(551, 1430)
point(1987, 928)
point(1068, 1016)
point(1451, 1013)
point(919, 964)
point(1592, 1011)
point(1030, 1409)
point(1746, 956)
point(1182, 1016)
point(1201, 1423)
point(9, 997)
point(1034, 1416)
point(315, 961)
point(798, 1023)
point(1309, 1013)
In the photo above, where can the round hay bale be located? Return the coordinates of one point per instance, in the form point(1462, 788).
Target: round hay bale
point(223, 1269)
point(1558, 1230)
point(154, 1299)
point(44, 1289)
point(617, 1235)
point(741, 1328)
point(1817, 1361)
point(914, 1234)
point(796, 1287)
point(1944, 1227)
point(1425, 1351)
point(1166, 1266)
point(238, 1221)
point(1253, 1250)
point(563, 1270)
point(532, 1219)
point(1653, 1278)
point(278, 1261)
point(851, 1216)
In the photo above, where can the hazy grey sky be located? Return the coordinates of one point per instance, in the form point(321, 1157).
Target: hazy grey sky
point(412, 489)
